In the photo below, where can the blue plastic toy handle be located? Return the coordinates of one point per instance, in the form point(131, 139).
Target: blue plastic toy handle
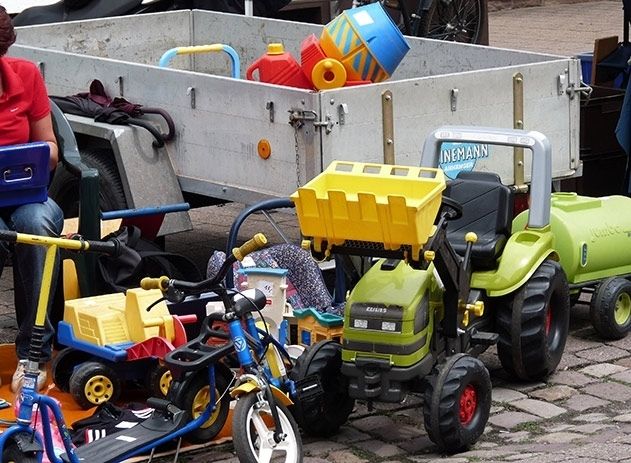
point(168, 55)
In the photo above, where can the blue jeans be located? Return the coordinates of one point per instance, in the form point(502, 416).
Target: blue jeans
point(44, 219)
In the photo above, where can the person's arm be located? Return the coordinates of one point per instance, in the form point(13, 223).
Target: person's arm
point(42, 130)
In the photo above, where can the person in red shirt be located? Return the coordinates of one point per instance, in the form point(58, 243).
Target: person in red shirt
point(25, 117)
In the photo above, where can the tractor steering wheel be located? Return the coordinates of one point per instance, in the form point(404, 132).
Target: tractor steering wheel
point(450, 208)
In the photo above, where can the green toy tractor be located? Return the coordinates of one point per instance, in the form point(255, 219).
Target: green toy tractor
point(439, 295)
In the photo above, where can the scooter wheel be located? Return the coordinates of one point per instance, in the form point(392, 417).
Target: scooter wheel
point(193, 394)
point(457, 403)
point(253, 417)
point(610, 308)
point(13, 454)
point(94, 383)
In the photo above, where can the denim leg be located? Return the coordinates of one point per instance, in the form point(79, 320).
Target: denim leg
point(44, 219)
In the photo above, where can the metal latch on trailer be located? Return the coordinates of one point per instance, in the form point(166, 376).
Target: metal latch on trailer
point(565, 85)
point(297, 118)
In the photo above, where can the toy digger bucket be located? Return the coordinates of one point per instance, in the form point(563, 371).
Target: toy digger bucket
point(168, 55)
point(378, 203)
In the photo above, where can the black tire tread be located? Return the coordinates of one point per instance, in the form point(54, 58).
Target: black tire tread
point(63, 365)
point(83, 373)
point(522, 350)
point(440, 412)
point(324, 422)
point(602, 308)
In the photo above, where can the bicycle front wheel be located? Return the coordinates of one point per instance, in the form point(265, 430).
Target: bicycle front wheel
point(454, 20)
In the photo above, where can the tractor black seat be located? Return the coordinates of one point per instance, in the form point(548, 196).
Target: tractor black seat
point(487, 210)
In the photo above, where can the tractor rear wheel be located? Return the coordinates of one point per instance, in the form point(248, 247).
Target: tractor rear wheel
point(533, 324)
point(610, 308)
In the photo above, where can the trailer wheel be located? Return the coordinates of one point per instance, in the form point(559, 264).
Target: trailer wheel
point(610, 308)
point(64, 188)
point(64, 364)
point(94, 383)
point(533, 324)
point(323, 415)
point(457, 403)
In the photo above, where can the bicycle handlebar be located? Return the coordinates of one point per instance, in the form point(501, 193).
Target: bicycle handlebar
point(163, 283)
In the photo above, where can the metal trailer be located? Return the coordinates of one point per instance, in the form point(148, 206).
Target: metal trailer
point(220, 121)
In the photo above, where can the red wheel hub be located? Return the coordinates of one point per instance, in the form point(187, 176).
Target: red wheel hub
point(548, 320)
point(468, 404)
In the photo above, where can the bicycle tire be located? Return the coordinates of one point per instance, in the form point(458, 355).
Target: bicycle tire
point(454, 20)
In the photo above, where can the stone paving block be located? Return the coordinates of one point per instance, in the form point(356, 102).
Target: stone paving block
point(496, 409)
point(575, 343)
point(559, 437)
point(554, 393)
point(348, 434)
point(570, 378)
point(448, 460)
point(591, 428)
point(381, 449)
point(345, 456)
point(611, 452)
point(569, 361)
point(600, 370)
point(624, 376)
point(487, 454)
point(502, 394)
point(609, 391)
point(624, 343)
point(582, 402)
point(525, 387)
point(625, 362)
point(591, 417)
point(539, 408)
point(373, 422)
point(416, 445)
point(559, 427)
point(307, 459)
point(602, 353)
point(510, 420)
point(514, 437)
point(320, 448)
point(521, 456)
point(398, 432)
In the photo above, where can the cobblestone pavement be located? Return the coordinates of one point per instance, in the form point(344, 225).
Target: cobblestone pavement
point(581, 414)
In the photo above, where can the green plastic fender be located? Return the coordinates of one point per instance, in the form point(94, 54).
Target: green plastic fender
point(523, 254)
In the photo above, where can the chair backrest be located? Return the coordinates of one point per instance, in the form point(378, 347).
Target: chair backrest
point(487, 211)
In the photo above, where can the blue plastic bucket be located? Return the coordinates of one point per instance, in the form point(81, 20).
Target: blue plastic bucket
point(366, 41)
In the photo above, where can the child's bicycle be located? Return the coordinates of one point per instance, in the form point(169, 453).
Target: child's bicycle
point(198, 402)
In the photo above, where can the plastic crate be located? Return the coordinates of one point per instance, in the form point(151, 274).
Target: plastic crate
point(24, 173)
point(392, 205)
point(586, 65)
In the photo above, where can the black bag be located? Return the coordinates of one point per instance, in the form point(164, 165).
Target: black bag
point(139, 258)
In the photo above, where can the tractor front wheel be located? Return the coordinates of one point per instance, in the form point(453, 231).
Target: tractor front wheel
point(457, 403)
point(533, 324)
point(610, 308)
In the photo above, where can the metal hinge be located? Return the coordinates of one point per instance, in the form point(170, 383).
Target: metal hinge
point(297, 118)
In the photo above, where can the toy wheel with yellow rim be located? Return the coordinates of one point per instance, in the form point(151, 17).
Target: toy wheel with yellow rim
point(193, 394)
point(64, 364)
point(610, 308)
point(159, 380)
point(93, 384)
